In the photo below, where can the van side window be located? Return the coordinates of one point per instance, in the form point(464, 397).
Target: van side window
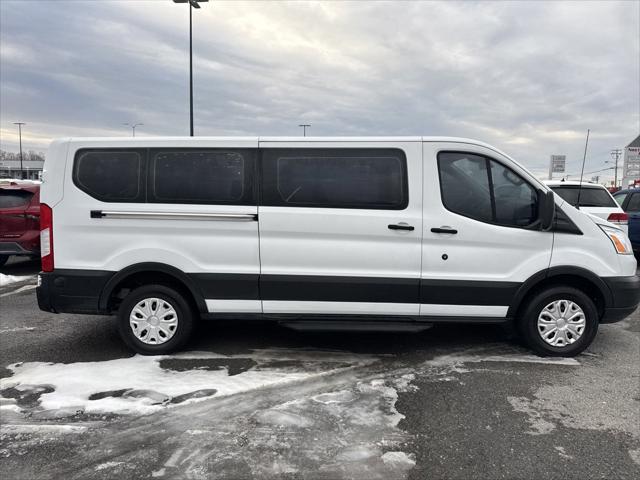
point(335, 178)
point(464, 182)
point(110, 175)
point(483, 189)
point(216, 176)
point(516, 201)
point(634, 203)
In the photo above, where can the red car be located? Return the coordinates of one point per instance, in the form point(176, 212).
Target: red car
point(19, 219)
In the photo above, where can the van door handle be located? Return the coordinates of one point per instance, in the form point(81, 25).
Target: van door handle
point(450, 230)
point(401, 226)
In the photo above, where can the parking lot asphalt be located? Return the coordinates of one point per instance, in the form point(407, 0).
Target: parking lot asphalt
point(254, 400)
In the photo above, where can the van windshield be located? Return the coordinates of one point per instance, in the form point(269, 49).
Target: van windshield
point(590, 196)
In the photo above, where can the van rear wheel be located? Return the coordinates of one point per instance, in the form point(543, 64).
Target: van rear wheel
point(559, 322)
point(155, 320)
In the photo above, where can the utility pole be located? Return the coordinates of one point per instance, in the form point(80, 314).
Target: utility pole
point(304, 128)
point(20, 124)
point(615, 155)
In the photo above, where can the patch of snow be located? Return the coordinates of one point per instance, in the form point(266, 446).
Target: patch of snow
point(74, 383)
point(563, 453)
point(104, 466)
point(10, 407)
point(24, 288)
point(342, 396)
point(40, 428)
point(443, 366)
point(357, 453)
point(403, 383)
point(531, 359)
point(379, 386)
point(17, 329)
point(399, 460)
point(282, 418)
point(9, 279)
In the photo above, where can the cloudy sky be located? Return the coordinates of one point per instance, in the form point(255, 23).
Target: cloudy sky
point(529, 78)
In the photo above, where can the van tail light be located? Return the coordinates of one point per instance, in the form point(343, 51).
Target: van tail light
point(618, 218)
point(46, 237)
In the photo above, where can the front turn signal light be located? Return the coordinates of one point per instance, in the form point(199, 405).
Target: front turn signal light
point(620, 241)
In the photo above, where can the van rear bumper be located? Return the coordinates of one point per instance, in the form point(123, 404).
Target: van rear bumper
point(625, 294)
point(72, 291)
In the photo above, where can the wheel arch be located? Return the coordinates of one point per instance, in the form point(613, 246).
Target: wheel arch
point(577, 277)
point(155, 272)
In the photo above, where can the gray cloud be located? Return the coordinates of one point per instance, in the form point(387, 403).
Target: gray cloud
point(529, 78)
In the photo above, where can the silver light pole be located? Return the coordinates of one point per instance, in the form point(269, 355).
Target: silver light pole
point(304, 128)
point(133, 127)
point(192, 4)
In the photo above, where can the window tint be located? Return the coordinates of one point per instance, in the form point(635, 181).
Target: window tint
point(516, 201)
point(14, 198)
point(110, 175)
point(335, 178)
point(589, 196)
point(465, 185)
point(201, 176)
point(485, 190)
point(634, 203)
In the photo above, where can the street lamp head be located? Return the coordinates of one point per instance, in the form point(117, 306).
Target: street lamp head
point(194, 3)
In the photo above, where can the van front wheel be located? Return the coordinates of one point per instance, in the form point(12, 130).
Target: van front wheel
point(559, 322)
point(155, 320)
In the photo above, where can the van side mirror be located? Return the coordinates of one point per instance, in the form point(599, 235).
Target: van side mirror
point(547, 209)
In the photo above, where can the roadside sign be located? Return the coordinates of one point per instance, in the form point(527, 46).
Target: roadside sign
point(557, 164)
point(632, 162)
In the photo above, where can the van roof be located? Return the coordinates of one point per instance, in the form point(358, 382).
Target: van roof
point(143, 139)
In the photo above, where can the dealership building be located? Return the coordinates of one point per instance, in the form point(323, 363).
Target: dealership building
point(631, 166)
point(11, 169)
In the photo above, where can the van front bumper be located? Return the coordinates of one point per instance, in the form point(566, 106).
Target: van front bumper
point(71, 291)
point(625, 294)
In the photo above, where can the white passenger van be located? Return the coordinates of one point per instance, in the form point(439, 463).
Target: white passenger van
point(335, 233)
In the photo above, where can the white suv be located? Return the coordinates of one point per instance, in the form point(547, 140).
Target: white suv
point(595, 199)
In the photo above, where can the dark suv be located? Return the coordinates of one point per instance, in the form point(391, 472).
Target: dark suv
point(19, 219)
point(629, 200)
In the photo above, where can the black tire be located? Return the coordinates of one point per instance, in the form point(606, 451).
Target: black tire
point(3, 259)
point(183, 310)
point(528, 321)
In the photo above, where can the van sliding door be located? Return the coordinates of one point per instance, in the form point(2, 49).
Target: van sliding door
point(340, 227)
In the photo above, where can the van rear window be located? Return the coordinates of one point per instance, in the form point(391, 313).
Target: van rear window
point(589, 197)
point(110, 175)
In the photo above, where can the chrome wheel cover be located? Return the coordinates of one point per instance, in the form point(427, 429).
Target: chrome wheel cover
point(153, 321)
point(561, 323)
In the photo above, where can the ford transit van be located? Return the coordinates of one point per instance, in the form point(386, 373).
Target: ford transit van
point(334, 233)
